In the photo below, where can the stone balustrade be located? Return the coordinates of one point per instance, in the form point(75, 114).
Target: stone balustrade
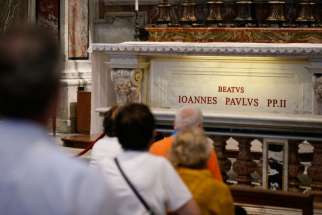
point(243, 170)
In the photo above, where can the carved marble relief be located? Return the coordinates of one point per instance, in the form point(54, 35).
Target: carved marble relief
point(318, 89)
point(127, 85)
point(12, 12)
point(318, 94)
point(48, 15)
point(78, 29)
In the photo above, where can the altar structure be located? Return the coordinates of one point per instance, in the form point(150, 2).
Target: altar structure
point(270, 93)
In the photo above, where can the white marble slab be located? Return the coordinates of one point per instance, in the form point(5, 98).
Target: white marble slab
point(232, 84)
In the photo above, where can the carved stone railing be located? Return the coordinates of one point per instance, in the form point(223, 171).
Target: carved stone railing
point(245, 165)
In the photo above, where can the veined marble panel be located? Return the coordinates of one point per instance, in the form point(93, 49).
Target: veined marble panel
point(78, 29)
point(233, 84)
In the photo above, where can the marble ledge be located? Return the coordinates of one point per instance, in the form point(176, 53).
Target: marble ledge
point(208, 49)
point(261, 124)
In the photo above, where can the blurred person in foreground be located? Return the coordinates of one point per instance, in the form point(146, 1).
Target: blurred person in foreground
point(108, 146)
point(143, 183)
point(190, 153)
point(186, 118)
point(36, 177)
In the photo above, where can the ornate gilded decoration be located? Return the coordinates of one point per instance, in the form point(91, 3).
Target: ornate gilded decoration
point(254, 35)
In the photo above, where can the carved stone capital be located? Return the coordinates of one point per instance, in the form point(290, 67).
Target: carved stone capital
point(127, 85)
point(318, 89)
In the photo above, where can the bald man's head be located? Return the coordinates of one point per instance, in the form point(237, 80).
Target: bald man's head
point(188, 117)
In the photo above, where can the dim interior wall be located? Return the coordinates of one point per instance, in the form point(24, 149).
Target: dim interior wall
point(77, 71)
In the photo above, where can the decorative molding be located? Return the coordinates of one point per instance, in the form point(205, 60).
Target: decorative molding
point(127, 85)
point(182, 48)
point(80, 79)
point(77, 73)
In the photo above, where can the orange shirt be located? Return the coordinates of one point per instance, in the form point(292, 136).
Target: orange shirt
point(162, 147)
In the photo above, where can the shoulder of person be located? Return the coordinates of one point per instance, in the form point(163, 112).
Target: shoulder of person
point(62, 162)
point(163, 141)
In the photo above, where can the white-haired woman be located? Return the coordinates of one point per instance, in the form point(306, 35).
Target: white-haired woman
point(190, 154)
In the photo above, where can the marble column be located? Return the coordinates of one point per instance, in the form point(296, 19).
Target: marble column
point(78, 29)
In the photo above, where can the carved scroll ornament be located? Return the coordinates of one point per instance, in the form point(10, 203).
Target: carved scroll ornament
point(127, 85)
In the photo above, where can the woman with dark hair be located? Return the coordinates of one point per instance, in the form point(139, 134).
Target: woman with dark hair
point(143, 183)
point(190, 154)
point(107, 147)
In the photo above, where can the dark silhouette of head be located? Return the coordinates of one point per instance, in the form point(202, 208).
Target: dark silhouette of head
point(109, 121)
point(30, 66)
point(134, 127)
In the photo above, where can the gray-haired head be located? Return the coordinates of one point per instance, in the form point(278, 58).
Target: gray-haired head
point(188, 117)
